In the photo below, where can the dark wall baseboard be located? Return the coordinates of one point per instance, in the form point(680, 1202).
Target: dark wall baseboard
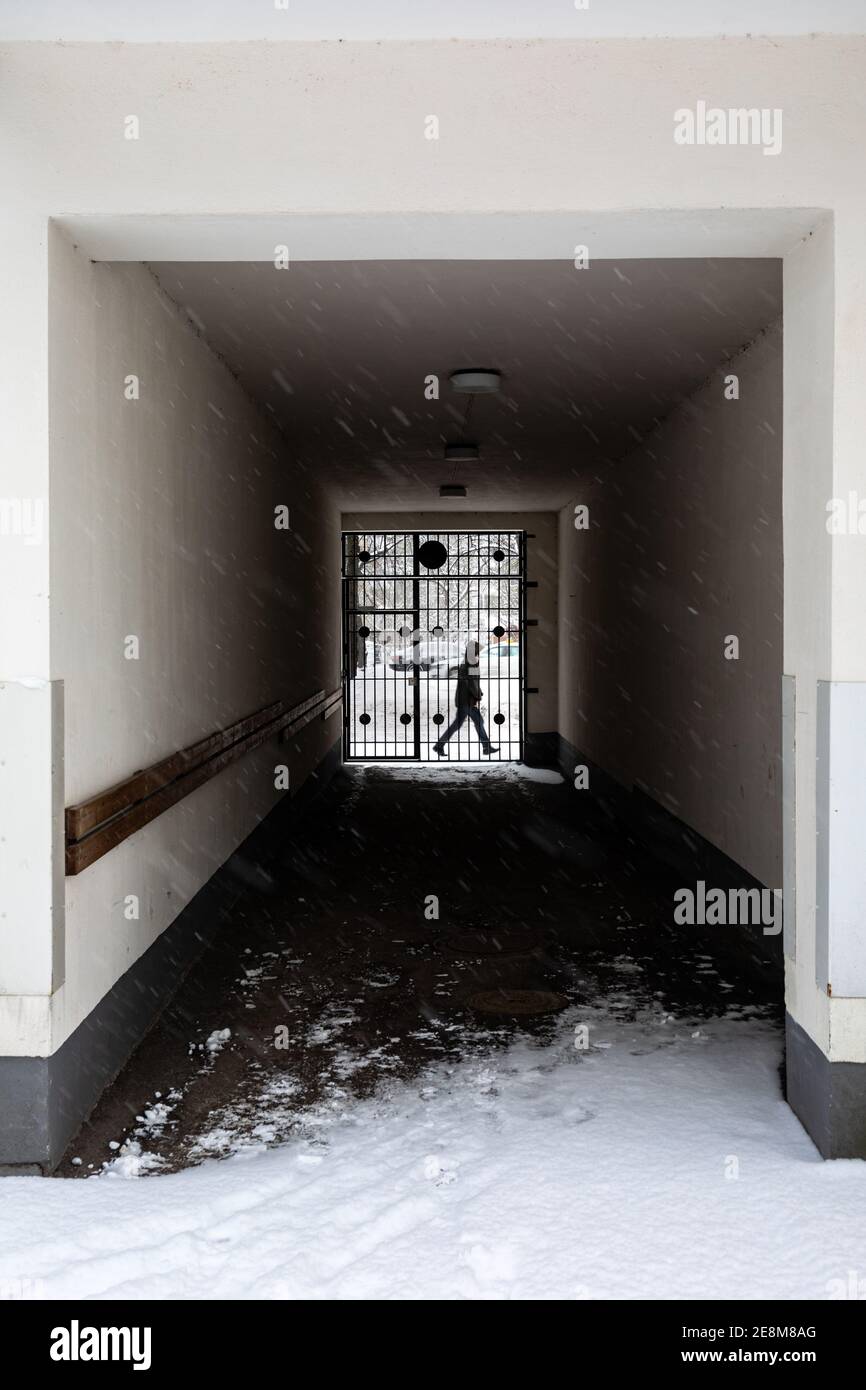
point(541, 750)
point(671, 842)
point(828, 1098)
point(45, 1100)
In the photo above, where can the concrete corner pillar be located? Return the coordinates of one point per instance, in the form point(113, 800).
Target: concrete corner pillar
point(31, 707)
point(824, 701)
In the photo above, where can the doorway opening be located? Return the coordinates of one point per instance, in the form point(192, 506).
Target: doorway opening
point(417, 606)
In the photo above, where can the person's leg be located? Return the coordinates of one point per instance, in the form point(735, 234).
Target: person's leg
point(459, 718)
point(475, 716)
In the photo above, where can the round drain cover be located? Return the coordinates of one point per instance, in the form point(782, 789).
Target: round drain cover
point(469, 943)
point(517, 1002)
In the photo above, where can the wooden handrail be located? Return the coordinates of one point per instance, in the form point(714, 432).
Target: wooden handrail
point(95, 826)
point(87, 815)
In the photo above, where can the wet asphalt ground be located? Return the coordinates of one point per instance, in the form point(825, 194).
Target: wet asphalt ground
point(360, 932)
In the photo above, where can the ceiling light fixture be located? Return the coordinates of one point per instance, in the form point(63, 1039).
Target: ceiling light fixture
point(461, 453)
point(452, 490)
point(476, 381)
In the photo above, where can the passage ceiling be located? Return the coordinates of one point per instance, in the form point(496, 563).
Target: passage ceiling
point(337, 354)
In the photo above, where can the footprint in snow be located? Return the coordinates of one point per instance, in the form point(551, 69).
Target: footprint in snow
point(439, 1170)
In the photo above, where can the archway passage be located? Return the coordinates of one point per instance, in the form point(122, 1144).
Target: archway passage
point(417, 608)
point(635, 453)
point(621, 518)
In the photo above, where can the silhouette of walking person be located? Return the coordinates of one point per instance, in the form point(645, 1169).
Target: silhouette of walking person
point(467, 698)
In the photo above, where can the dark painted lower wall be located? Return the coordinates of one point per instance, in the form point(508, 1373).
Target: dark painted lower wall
point(541, 750)
point(670, 840)
point(828, 1098)
point(45, 1100)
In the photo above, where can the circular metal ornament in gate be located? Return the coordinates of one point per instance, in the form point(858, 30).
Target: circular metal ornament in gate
point(517, 1003)
point(432, 555)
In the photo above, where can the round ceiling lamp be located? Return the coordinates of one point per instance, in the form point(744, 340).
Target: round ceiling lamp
point(477, 381)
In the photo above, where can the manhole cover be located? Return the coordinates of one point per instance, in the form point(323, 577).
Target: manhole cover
point(468, 943)
point(517, 1002)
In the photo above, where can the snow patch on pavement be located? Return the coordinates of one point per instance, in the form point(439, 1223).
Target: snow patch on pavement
point(538, 774)
point(535, 1172)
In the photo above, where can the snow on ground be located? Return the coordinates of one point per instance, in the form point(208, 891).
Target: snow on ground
point(660, 1163)
point(461, 770)
point(539, 774)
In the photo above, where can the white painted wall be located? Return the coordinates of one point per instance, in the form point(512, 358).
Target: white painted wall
point(164, 529)
point(31, 742)
point(203, 20)
point(685, 549)
point(541, 566)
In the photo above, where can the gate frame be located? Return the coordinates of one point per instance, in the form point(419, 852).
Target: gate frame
point(416, 759)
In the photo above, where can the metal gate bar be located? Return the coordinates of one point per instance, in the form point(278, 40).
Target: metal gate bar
point(414, 602)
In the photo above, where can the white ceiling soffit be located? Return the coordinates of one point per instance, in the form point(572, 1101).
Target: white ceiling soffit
point(212, 21)
point(687, 233)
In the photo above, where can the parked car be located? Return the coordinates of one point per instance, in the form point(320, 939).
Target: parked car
point(500, 659)
point(434, 655)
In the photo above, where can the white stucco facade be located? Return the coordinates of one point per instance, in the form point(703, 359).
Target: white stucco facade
point(543, 145)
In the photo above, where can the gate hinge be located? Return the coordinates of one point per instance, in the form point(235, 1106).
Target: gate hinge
point(530, 583)
point(530, 622)
point(532, 690)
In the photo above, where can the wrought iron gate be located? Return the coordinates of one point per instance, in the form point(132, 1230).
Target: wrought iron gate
point(424, 612)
